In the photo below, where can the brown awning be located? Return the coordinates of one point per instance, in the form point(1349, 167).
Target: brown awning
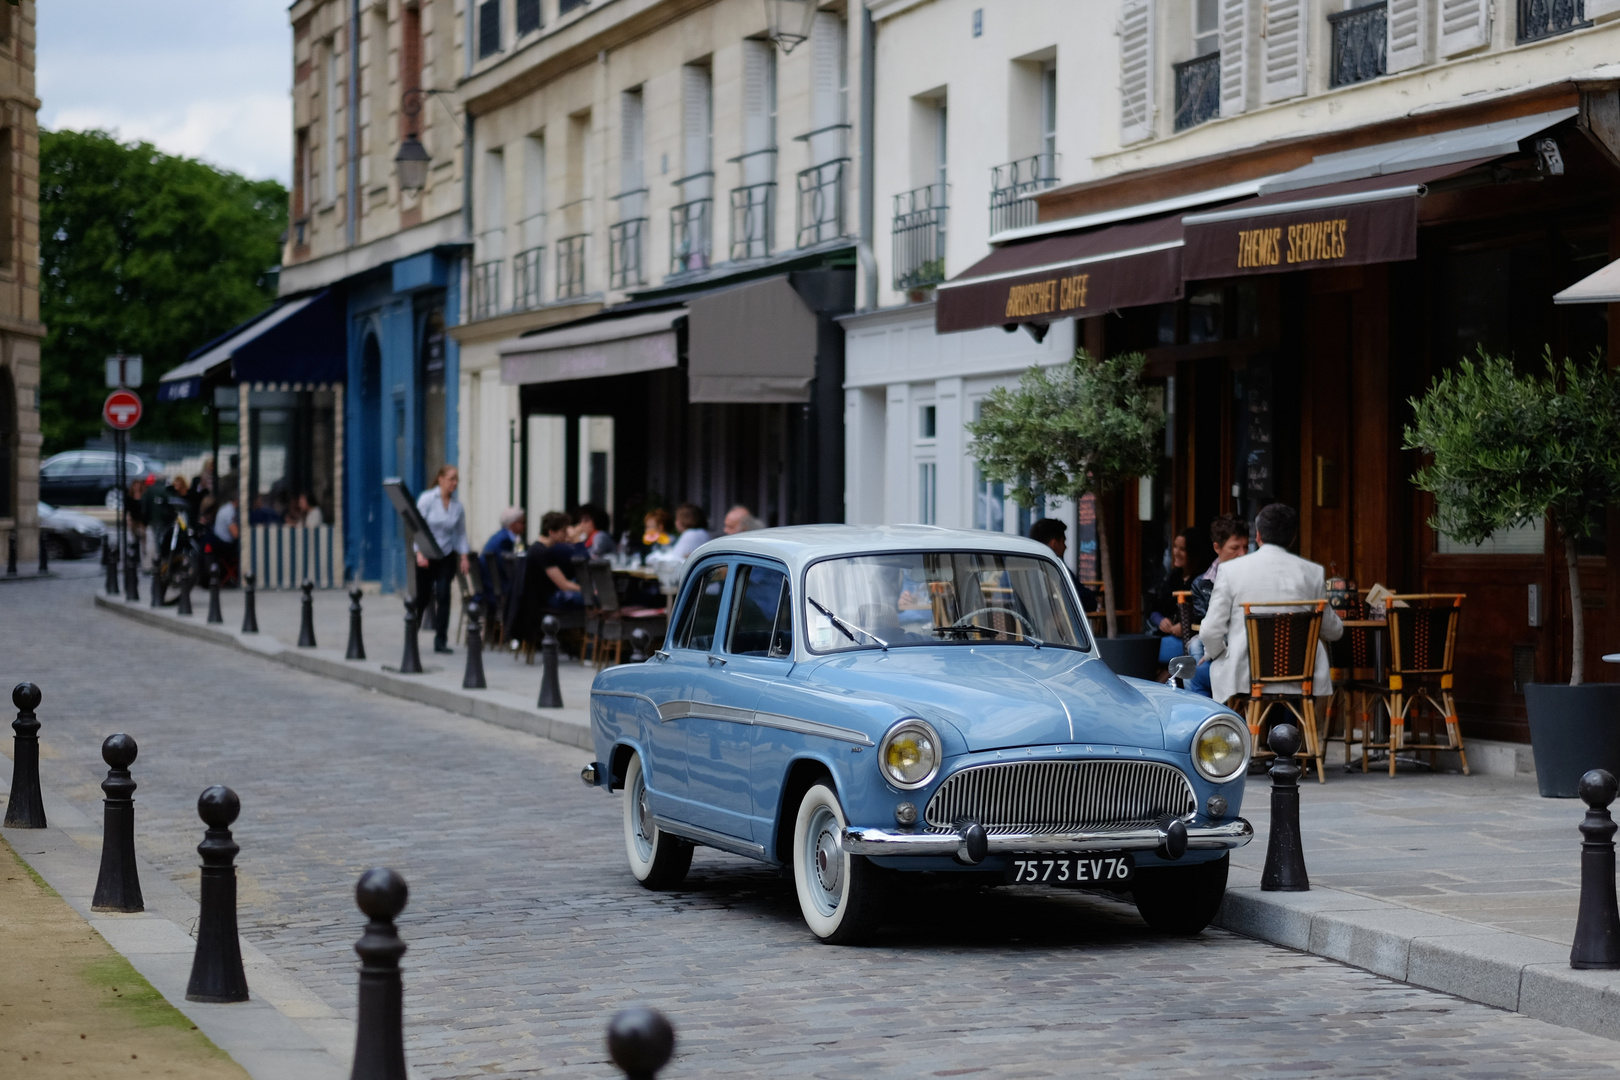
point(1055, 277)
point(1370, 220)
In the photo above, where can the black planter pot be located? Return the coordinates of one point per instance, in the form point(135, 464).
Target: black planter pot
point(1133, 655)
point(1572, 729)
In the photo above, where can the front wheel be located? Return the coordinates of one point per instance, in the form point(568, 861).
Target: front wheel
point(839, 893)
point(657, 859)
point(1181, 900)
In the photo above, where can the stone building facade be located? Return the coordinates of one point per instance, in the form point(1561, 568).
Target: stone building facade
point(20, 328)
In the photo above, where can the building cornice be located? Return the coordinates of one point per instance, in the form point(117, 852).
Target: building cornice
point(922, 313)
point(443, 231)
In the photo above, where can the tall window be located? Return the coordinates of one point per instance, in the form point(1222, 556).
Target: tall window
point(632, 153)
point(301, 178)
point(1049, 112)
point(489, 28)
point(927, 493)
point(828, 87)
point(528, 16)
point(332, 163)
point(534, 190)
point(941, 149)
point(1206, 27)
point(410, 72)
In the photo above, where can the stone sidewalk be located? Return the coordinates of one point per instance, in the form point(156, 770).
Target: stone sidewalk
point(1467, 885)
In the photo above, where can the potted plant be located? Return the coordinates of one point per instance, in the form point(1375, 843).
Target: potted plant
point(1508, 449)
point(1076, 429)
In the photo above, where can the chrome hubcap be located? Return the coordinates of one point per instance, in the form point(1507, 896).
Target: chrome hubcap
point(824, 861)
point(644, 823)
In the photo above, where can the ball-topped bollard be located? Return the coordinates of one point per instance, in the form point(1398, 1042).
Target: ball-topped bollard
point(183, 605)
point(215, 615)
point(357, 644)
point(118, 886)
point(411, 662)
point(379, 1041)
point(550, 688)
point(640, 1041)
point(26, 807)
point(1597, 927)
point(109, 565)
point(1285, 852)
point(132, 573)
point(640, 642)
point(472, 678)
point(216, 969)
point(306, 618)
point(250, 607)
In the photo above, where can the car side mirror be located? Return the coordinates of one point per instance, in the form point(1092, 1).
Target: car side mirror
point(1182, 669)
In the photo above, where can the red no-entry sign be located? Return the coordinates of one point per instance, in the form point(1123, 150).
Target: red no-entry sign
point(121, 410)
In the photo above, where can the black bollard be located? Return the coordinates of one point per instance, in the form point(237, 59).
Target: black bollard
point(118, 886)
point(640, 1042)
point(11, 555)
point(640, 640)
point(250, 607)
point(109, 563)
point(357, 646)
point(379, 1039)
point(1285, 853)
point(550, 690)
point(26, 808)
point(216, 968)
point(473, 677)
point(214, 614)
point(306, 618)
point(1597, 928)
point(132, 576)
point(183, 606)
point(44, 552)
point(411, 663)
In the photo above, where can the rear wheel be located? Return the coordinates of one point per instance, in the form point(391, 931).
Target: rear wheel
point(839, 893)
point(657, 859)
point(1181, 899)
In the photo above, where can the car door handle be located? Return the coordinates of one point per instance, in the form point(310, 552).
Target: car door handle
point(713, 660)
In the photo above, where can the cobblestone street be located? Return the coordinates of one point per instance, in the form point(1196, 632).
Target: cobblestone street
point(526, 930)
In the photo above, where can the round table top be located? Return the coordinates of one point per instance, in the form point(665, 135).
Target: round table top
point(1612, 658)
point(1365, 624)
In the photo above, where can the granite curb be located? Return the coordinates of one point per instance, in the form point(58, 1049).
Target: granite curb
point(570, 726)
point(1516, 972)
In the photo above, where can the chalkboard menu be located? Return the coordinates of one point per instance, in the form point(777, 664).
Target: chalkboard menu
point(1256, 428)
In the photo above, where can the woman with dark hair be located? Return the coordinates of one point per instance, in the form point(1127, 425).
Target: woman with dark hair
point(1189, 557)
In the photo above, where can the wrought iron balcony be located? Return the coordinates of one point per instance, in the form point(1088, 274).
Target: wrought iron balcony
point(690, 229)
point(1011, 186)
point(919, 237)
point(1359, 41)
point(526, 278)
point(486, 289)
point(1547, 18)
point(753, 218)
point(571, 266)
point(1198, 90)
point(821, 202)
point(624, 253)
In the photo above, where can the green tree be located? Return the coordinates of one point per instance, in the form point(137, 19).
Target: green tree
point(147, 253)
point(1081, 428)
point(1508, 449)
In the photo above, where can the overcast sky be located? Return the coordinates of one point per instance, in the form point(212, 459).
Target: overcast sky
point(203, 78)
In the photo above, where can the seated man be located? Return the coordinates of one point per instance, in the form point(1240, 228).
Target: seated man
point(1270, 574)
point(549, 560)
point(509, 537)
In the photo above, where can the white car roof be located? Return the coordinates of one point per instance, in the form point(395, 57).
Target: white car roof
point(800, 545)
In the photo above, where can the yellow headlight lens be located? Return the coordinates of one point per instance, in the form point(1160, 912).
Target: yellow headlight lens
point(1219, 750)
point(910, 754)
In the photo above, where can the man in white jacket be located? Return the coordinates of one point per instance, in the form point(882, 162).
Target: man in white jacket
point(1269, 574)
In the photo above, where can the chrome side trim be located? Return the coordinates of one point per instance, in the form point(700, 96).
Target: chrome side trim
point(709, 838)
point(812, 727)
point(624, 694)
point(1227, 835)
point(703, 710)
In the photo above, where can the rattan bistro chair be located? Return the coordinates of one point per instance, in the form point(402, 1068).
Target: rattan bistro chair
point(1354, 671)
point(1422, 650)
point(1184, 616)
point(1282, 660)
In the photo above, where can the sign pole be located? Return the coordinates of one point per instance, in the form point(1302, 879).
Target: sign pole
point(123, 495)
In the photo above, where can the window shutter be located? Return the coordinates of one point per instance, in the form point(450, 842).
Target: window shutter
point(632, 174)
point(1283, 50)
point(1599, 9)
point(1236, 35)
point(756, 110)
point(826, 103)
point(1464, 25)
point(1136, 72)
point(1408, 29)
point(695, 104)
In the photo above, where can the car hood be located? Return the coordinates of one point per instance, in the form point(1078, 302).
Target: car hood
point(1002, 696)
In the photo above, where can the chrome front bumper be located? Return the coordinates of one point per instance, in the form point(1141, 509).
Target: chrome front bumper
point(1227, 835)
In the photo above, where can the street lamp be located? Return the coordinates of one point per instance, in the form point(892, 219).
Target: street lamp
point(788, 21)
point(411, 163)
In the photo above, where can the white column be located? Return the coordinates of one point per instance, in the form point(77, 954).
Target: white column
point(954, 508)
point(898, 486)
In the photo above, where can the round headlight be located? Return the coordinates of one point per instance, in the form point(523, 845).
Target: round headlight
point(1220, 749)
point(909, 754)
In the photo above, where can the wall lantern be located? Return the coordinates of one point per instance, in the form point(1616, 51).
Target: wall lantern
point(788, 21)
point(411, 163)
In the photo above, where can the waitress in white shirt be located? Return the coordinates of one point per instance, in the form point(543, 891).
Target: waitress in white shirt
point(447, 520)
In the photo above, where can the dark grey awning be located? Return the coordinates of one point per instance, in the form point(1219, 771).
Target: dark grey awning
point(592, 350)
point(752, 344)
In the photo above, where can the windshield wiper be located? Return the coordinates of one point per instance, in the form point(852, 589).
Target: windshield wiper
point(849, 630)
point(1034, 641)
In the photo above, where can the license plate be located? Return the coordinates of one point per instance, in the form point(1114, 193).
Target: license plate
point(1113, 868)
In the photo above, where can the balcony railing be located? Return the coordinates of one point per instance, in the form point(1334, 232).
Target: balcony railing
point(821, 202)
point(571, 266)
point(690, 227)
point(1198, 90)
point(1011, 186)
point(919, 237)
point(1547, 18)
point(624, 253)
point(527, 274)
point(1359, 40)
point(753, 217)
point(486, 289)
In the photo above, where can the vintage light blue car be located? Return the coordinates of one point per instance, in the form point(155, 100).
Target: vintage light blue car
point(850, 702)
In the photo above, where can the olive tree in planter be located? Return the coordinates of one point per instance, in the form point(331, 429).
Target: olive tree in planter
point(1508, 449)
point(1080, 428)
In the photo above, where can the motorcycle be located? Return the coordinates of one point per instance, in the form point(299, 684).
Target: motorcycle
point(181, 554)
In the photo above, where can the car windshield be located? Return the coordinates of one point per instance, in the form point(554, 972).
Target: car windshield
point(939, 597)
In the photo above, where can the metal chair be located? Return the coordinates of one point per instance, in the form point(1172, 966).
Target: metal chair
point(614, 623)
point(1354, 669)
point(1282, 659)
point(1184, 616)
point(1422, 647)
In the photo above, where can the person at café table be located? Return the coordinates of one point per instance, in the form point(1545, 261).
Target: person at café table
point(591, 533)
point(1271, 573)
point(507, 538)
point(446, 519)
point(693, 525)
point(657, 531)
point(550, 558)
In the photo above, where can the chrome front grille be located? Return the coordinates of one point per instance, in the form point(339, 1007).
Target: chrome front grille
point(1044, 796)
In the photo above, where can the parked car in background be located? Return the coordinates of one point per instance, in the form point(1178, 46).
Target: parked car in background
point(852, 702)
point(69, 534)
point(87, 477)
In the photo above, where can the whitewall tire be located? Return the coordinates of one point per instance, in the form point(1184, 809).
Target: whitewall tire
point(839, 893)
point(657, 859)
